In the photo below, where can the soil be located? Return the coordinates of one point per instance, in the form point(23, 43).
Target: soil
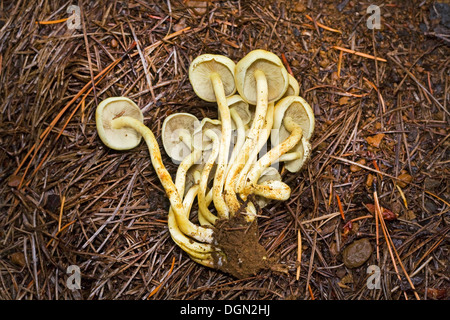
point(242, 255)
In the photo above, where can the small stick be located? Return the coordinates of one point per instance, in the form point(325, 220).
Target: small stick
point(154, 291)
point(361, 54)
point(311, 292)
point(299, 254)
point(341, 211)
point(286, 64)
point(322, 25)
point(63, 200)
point(52, 21)
point(341, 53)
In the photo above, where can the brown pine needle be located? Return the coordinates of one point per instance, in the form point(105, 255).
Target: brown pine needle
point(311, 292)
point(361, 54)
point(154, 291)
point(61, 212)
point(377, 231)
point(322, 25)
point(52, 21)
point(286, 64)
point(341, 53)
point(341, 211)
point(299, 254)
point(391, 247)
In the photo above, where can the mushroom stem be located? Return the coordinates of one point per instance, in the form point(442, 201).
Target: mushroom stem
point(199, 233)
point(202, 201)
point(185, 165)
point(224, 147)
point(252, 138)
point(264, 162)
point(272, 189)
point(193, 248)
point(264, 136)
point(240, 128)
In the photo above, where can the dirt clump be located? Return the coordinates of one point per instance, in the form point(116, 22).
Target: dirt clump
point(241, 254)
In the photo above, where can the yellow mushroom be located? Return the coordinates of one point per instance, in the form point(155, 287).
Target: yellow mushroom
point(293, 121)
point(108, 122)
point(212, 78)
point(260, 79)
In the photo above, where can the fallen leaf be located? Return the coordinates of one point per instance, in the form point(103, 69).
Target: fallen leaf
point(405, 179)
point(347, 279)
point(14, 181)
point(434, 293)
point(387, 214)
point(18, 259)
point(356, 168)
point(375, 140)
point(343, 100)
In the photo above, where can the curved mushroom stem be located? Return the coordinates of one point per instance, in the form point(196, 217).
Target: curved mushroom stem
point(202, 201)
point(185, 165)
point(252, 138)
point(240, 128)
point(272, 189)
point(264, 136)
point(199, 233)
point(264, 162)
point(193, 248)
point(289, 157)
point(222, 163)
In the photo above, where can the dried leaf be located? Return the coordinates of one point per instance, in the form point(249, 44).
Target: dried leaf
point(375, 140)
point(405, 179)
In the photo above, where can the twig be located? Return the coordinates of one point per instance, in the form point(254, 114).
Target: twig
point(361, 54)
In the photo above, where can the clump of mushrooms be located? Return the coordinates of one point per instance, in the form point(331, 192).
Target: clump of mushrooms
point(219, 160)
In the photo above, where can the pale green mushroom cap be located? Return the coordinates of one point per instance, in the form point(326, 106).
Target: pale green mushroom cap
point(273, 68)
point(176, 135)
point(111, 108)
point(201, 69)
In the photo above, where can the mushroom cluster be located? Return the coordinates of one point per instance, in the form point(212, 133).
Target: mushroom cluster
point(224, 163)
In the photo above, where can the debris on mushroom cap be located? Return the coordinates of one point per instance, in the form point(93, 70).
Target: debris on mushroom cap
point(200, 70)
point(108, 110)
point(272, 66)
point(175, 134)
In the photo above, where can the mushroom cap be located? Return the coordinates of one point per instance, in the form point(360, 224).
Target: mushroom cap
point(293, 87)
point(269, 174)
point(273, 68)
point(299, 110)
point(174, 127)
point(118, 139)
point(201, 140)
point(241, 106)
point(200, 70)
point(304, 149)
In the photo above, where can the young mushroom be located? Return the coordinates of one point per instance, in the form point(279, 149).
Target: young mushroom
point(212, 78)
point(269, 174)
point(240, 114)
point(293, 87)
point(109, 119)
point(294, 118)
point(176, 135)
point(297, 108)
point(260, 79)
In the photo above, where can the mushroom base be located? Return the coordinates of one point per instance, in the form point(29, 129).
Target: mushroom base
point(238, 242)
